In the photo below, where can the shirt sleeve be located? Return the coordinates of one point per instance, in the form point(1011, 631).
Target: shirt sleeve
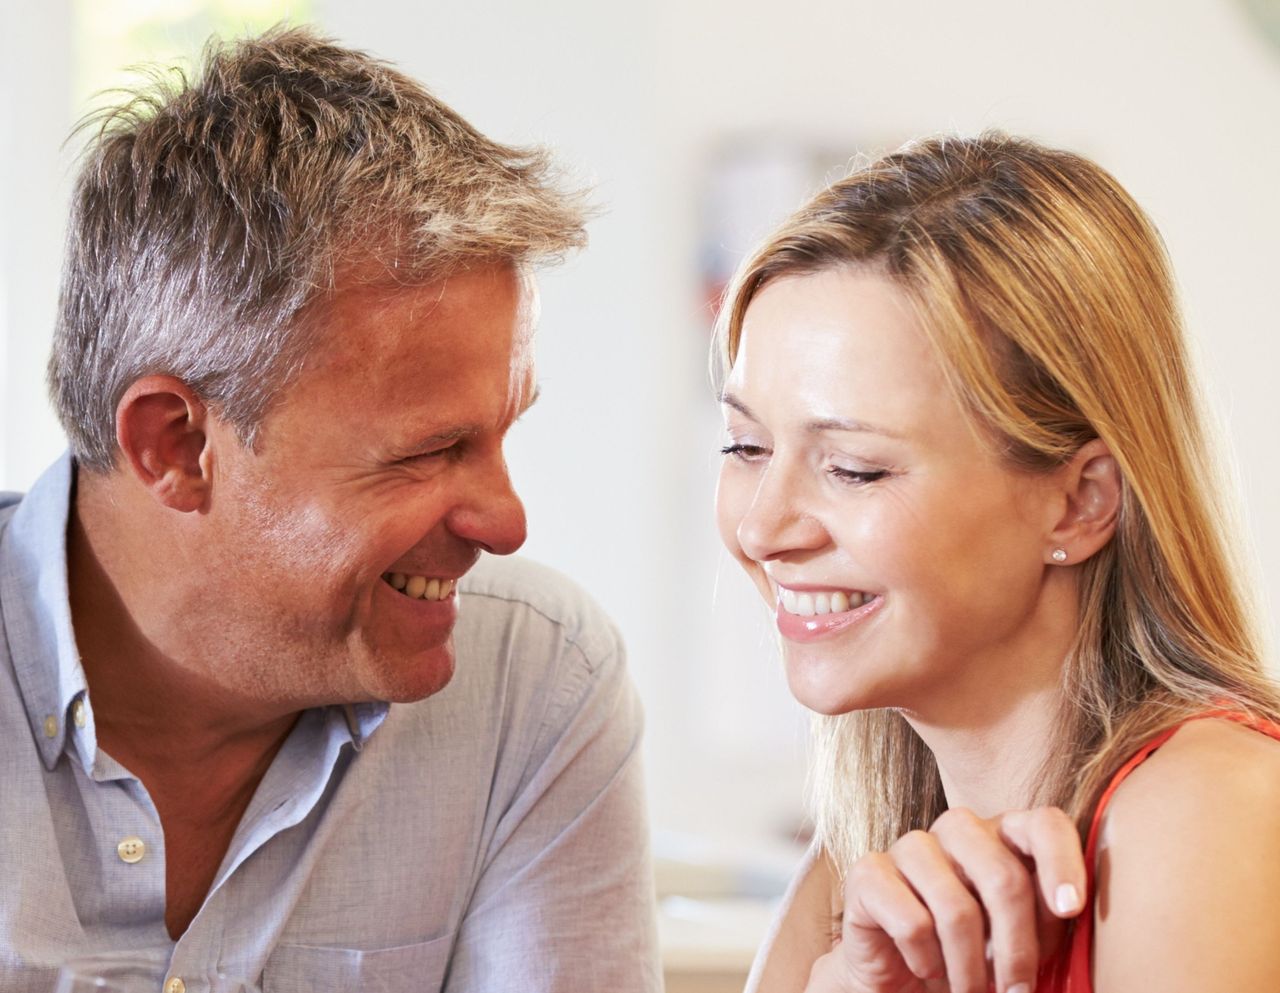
point(565, 901)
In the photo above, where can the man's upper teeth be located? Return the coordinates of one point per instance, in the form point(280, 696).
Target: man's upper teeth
point(420, 587)
point(826, 602)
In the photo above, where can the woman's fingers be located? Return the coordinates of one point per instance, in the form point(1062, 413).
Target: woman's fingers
point(957, 915)
point(1048, 837)
point(879, 904)
point(940, 903)
point(1006, 891)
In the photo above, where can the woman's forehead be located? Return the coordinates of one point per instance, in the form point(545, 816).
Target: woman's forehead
point(840, 344)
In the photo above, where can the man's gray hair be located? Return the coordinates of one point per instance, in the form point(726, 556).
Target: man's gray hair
point(209, 215)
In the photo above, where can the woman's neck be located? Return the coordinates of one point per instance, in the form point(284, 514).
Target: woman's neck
point(993, 729)
point(996, 762)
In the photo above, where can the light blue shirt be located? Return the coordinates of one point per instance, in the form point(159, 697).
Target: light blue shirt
point(486, 839)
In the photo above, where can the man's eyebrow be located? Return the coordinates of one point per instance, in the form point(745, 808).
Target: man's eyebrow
point(533, 398)
point(431, 441)
point(819, 424)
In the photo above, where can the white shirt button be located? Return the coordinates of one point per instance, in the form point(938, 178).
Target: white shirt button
point(131, 850)
point(78, 713)
point(50, 727)
point(175, 985)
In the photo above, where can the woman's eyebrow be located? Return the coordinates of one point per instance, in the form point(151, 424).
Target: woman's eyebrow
point(729, 400)
point(818, 424)
point(849, 424)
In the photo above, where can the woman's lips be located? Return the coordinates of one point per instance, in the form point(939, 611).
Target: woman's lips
point(806, 626)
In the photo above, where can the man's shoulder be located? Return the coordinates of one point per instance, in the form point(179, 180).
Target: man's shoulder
point(536, 660)
point(505, 595)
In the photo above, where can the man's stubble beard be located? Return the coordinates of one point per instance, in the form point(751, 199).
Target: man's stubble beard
point(276, 627)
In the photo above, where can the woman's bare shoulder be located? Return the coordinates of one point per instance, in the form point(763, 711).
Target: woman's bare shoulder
point(802, 929)
point(1233, 766)
point(1188, 866)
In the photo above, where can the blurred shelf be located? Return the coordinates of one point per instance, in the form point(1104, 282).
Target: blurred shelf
point(708, 944)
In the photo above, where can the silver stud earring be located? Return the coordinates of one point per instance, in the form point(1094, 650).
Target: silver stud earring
point(1059, 555)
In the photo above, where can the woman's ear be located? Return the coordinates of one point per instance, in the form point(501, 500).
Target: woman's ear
point(1091, 488)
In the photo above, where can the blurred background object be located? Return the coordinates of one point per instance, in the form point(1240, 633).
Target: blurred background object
point(1266, 14)
point(701, 123)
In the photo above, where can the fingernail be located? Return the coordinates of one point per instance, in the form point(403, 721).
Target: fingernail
point(1066, 898)
point(1020, 988)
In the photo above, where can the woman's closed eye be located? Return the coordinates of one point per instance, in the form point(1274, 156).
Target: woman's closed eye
point(744, 452)
point(857, 476)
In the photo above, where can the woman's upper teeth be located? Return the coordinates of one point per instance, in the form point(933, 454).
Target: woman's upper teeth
point(813, 602)
point(420, 587)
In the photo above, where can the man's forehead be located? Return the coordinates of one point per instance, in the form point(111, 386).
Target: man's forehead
point(399, 364)
point(366, 314)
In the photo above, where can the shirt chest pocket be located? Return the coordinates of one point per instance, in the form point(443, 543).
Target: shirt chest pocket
point(416, 968)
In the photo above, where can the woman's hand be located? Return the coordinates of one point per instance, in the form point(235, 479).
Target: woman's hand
point(953, 909)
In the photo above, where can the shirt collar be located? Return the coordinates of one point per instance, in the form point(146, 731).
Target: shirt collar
point(363, 719)
point(37, 610)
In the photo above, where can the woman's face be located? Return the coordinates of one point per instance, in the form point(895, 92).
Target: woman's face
point(905, 563)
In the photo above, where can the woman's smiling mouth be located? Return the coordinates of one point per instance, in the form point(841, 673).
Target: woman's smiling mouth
point(817, 602)
point(807, 615)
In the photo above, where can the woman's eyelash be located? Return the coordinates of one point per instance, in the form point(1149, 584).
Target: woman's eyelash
point(853, 477)
point(856, 476)
point(742, 451)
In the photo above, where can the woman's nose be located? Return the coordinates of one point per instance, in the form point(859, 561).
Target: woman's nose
point(779, 519)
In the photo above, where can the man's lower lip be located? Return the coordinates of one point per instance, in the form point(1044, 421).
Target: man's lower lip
point(793, 627)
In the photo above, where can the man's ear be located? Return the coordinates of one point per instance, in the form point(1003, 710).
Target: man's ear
point(1093, 488)
point(161, 428)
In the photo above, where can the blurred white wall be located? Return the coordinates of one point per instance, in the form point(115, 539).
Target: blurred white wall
point(35, 116)
point(1180, 100)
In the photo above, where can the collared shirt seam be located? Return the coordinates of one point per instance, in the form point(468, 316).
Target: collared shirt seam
point(566, 632)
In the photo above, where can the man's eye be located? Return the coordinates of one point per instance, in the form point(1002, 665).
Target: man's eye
point(434, 455)
point(744, 453)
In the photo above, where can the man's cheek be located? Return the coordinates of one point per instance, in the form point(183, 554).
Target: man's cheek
point(306, 536)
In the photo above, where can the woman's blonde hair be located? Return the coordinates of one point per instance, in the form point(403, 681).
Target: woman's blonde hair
point(1047, 292)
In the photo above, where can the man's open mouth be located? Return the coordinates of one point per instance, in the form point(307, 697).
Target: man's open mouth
point(420, 587)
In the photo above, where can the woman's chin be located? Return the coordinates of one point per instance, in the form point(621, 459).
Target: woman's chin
point(829, 688)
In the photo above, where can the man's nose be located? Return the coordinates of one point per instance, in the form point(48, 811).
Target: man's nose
point(779, 519)
point(492, 515)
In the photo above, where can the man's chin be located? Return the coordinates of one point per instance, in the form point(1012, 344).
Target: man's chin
point(411, 677)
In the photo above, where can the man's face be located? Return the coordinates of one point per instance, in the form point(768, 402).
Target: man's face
point(383, 461)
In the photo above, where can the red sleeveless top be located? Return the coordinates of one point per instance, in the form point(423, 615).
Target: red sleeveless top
point(1070, 971)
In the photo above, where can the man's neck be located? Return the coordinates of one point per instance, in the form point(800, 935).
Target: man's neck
point(161, 719)
point(200, 749)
